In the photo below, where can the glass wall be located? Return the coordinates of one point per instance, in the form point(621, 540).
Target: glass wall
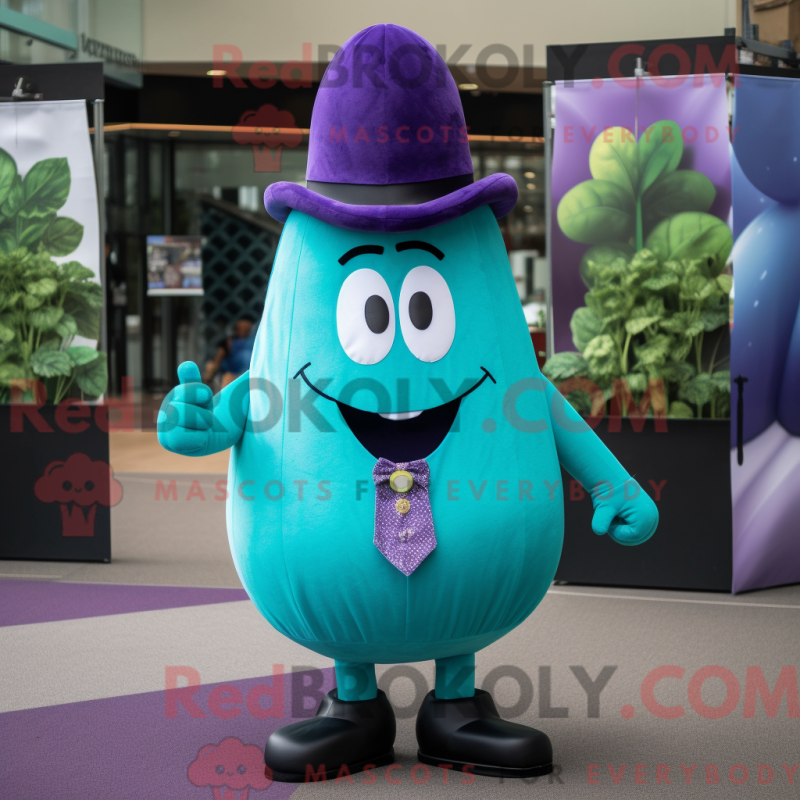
point(51, 31)
point(137, 205)
point(21, 48)
point(160, 183)
point(226, 171)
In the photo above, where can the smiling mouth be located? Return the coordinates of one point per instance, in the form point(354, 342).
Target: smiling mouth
point(400, 436)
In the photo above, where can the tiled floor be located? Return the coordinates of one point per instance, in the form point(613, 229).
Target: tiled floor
point(88, 653)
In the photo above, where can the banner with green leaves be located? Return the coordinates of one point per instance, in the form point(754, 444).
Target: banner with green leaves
point(51, 300)
point(640, 245)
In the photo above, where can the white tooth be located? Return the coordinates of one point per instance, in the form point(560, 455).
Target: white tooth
point(401, 415)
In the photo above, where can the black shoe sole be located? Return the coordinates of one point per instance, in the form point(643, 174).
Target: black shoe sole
point(487, 769)
point(296, 777)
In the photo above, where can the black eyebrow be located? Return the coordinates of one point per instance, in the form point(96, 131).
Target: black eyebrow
point(416, 245)
point(360, 251)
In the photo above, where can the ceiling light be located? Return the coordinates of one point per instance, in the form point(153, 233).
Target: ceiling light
point(530, 174)
point(174, 133)
point(217, 73)
point(531, 186)
point(468, 87)
point(528, 209)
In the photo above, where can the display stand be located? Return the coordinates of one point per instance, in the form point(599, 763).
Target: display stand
point(727, 489)
point(57, 486)
point(686, 469)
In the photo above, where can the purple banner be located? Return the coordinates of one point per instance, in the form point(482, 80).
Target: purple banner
point(697, 106)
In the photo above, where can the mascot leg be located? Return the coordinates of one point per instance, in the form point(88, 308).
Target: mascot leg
point(455, 677)
point(354, 728)
point(355, 681)
point(458, 725)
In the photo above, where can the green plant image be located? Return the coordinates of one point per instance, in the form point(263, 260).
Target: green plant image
point(657, 306)
point(45, 305)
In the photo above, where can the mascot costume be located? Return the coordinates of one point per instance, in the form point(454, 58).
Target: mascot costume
point(395, 472)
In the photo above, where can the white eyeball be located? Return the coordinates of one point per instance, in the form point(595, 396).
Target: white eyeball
point(427, 315)
point(365, 317)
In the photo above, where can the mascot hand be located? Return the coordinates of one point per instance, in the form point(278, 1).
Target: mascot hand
point(626, 513)
point(185, 419)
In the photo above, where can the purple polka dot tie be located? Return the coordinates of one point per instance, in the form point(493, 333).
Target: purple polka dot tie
point(403, 519)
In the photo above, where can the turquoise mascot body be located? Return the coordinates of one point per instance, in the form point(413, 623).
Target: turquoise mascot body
point(363, 329)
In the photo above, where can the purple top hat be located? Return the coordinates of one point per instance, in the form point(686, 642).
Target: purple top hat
point(388, 147)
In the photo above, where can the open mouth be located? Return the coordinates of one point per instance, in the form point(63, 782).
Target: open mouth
point(400, 436)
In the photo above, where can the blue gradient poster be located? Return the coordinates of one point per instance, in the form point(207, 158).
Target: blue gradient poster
point(765, 341)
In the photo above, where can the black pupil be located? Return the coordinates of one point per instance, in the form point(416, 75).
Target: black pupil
point(420, 310)
point(89, 485)
point(66, 486)
point(376, 312)
point(241, 769)
point(220, 769)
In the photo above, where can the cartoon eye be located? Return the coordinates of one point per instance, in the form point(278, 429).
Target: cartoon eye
point(427, 315)
point(219, 769)
point(89, 485)
point(66, 486)
point(241, 769)
point(365, 317)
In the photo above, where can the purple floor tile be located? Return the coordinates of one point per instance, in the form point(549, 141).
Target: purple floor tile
point(132, 747)
point(23, 602)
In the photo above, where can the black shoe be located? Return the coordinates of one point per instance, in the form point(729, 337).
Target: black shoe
point(352, 734)
point(469, 733)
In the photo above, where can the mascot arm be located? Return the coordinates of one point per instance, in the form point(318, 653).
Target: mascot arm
point(192, 421)
point(622, 509)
